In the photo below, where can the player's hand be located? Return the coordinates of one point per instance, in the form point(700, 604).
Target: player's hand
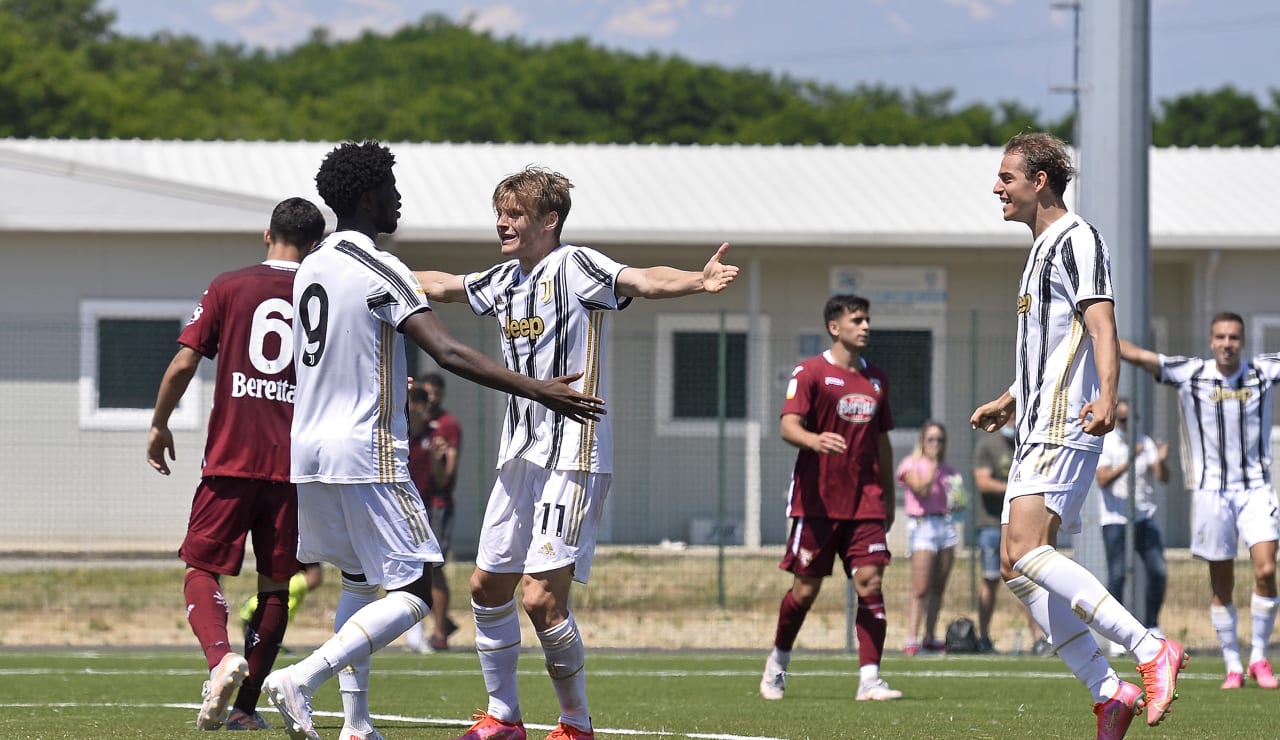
point(561, 397)
point(829, 443)
point(160, 440)
point(991, 416)
point(1098, 418)
point(716, 276)
point(1162, 450)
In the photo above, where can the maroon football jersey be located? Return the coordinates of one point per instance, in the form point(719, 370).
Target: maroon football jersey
point(854, 405)
point(245, 319)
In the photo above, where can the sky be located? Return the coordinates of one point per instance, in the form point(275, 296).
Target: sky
point(984, 50)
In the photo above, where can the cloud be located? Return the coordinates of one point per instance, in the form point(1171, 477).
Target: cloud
point(900, 24)
point(272, 24)
point(650, 18)
point(978, 10)
point(722, 9)
point(500, 20)
point(231, 11)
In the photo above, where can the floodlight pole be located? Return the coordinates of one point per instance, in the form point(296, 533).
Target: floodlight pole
point(1114, 141)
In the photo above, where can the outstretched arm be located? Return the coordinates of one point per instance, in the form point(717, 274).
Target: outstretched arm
point(669, 282)
point(442, 286)
point(467, 362)
point(1143, 358)
point(172, 387)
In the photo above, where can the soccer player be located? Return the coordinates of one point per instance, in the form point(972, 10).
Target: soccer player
point(1064, 394)
point(992, 458)
point(357, 507)
point(841, 501)
point(434, 440)
point(551, 301)
point(1226, 413)
point(244, 486)
point(1113, 508)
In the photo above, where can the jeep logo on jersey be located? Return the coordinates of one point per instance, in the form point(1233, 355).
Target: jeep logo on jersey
point(1228, 394)
point(856, 408)
point(527, 328)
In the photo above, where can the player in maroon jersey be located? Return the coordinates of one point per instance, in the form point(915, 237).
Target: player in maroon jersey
point(841, 499)
point(246, 317)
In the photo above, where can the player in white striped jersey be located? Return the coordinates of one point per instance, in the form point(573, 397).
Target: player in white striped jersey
point(1225, 404)
point(357, 507)
point(1064, 394)
point(551, 300)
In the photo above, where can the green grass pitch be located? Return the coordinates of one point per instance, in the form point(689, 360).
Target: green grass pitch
point(153, 694)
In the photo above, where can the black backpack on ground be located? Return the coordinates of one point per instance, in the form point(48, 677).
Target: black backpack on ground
point(962, 636)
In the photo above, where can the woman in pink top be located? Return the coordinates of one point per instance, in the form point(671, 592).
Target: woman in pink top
point(933, 490)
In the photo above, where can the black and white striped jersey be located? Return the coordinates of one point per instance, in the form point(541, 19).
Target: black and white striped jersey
point(1226, 421)
point(552, 322)
point(1055, 375)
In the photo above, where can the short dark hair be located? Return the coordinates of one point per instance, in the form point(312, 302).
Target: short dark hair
point(350, 171)
point(418, 395)
point(435, 379)
point(1228, 316)
point(298, 222)
point(1045, 153)
point(840, 303)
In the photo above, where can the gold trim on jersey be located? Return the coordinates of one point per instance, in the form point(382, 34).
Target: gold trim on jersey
point(591, 387)
point(414, 514)
point(384, 440)
point(1056, 431)
point(577, 508)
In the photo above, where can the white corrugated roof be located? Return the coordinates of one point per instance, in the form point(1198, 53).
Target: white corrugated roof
point(771, 195)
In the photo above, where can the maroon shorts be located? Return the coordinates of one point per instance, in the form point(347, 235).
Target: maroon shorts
point(814, 544)
point(224, 510)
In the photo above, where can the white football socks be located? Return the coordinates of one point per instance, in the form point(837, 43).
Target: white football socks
point(1071, 639)
point(1073, 585)
point(1263, 614)
point(498, 645)
point(370, 629)
point(1223, 619)
point(566, 658)
point(353, 680)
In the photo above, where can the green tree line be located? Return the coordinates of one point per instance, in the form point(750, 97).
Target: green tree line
point(64, 72)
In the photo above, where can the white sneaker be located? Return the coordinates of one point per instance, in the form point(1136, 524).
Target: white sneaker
point(773, 684)
point(224, 680)
point(350, 734)
point(293, 704)
point(877, 690)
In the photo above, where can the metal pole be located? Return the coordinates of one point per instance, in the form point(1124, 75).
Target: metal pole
point(722, 410)
point(1114, 150)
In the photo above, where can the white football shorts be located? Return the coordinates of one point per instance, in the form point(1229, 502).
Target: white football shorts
point(1062, 474)
point(377, 529)
point(540, 520)
point(932, 533)
point(1220, 518)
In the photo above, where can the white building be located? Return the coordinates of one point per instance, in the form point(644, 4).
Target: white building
point(107, 245)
